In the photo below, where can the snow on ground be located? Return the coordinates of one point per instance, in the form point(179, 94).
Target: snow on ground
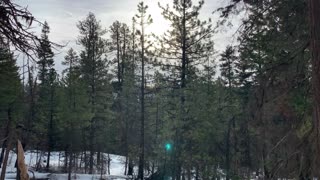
point(11, 176)
point(116, 167)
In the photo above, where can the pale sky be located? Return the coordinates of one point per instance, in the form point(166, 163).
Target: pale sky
point(63, 15)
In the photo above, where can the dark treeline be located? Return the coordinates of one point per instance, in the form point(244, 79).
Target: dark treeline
point(251, 110)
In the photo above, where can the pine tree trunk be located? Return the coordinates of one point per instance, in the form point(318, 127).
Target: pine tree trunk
point(184, 62)
point(228, 154)
point(109, 160)
point(189, 173)
point(93, 110)
point(85, 162)
point(127, 138)
point(102, 167)
point(4, 144)
point(5, 161)
point(197, 172)
point(155, 162)
point(91, 150)
point(76, 161)
point(124, 54)
point(130, 168)
point(3, 150)
point(126, 165)
point(37, 156)
point(66, 156)
point(81, 161)
point(70, 164)
point(178, 171)
point(314, 8)
point(50, 129)
point(142, 88)
point(183, 177)
point(48, 160)
point(39, 161)
point(31, 113)
point(98, 158)
point(118, 57)
point(235, 148)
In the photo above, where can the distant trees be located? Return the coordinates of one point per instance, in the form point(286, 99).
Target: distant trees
point(252, 108)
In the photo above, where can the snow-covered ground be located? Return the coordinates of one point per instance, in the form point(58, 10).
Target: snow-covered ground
point(116, 167)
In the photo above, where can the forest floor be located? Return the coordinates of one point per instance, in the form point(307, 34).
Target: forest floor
point(117, 165)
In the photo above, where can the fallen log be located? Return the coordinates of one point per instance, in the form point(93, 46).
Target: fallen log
point(22, 170)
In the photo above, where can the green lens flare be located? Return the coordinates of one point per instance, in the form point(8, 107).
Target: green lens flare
point(168, 147)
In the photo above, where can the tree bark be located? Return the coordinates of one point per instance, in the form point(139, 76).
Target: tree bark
point(314, 7)
point(22, 171)
point(5, 161)
point(4, 144)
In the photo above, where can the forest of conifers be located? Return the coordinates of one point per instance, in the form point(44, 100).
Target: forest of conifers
point(250, 111)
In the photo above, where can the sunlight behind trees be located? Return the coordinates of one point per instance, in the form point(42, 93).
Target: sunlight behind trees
point(194, 90)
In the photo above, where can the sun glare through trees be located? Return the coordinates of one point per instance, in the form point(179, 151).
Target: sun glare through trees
point(160, 89)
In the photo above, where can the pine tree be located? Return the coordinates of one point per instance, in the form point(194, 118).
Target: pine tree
point(120, 35)
point(93, 68)
point(143, 20)
point(47, 77)
point(186, 45)
point(271, 48)
point(10, 95)
point(227, 66)
point(74, 112)
point(120, 45)
point(131, 101)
